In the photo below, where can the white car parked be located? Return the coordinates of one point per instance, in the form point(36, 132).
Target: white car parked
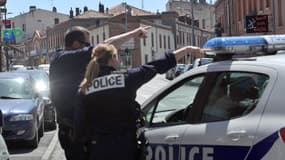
point(226, 110)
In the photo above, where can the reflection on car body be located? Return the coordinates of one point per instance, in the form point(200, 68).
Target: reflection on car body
point(231, 109)
point(22, 107)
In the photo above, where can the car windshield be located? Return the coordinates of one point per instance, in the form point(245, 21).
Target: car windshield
point(15, 88)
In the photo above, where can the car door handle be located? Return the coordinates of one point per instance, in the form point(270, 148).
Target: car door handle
point(236, 135)
point(172, 138)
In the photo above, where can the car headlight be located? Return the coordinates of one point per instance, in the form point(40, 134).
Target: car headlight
point(22, 117)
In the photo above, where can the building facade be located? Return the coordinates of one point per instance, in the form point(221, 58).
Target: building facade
point(203, 12)
point(233, 16)
point(168, 32)
point(36, 19)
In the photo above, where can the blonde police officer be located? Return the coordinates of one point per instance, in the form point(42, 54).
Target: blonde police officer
point(105, 116)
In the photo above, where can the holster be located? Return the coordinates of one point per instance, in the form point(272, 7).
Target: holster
point(141, 146)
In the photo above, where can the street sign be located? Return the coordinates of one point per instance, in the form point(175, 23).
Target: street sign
point(2, 2)
point(256, 24)
point(12, 34)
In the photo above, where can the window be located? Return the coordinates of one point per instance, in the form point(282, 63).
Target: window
point(97, 37)
point(24, 27)
point(168, 40)
point(164, 41)
point(56, 21)
point(92, 40)
point(279, 10)
point(152, 40)
point(144, 42)
point(175, 104)
point(160, 41)
point(267, 3)
point(104, 36)
point(146, 58)
point(261, 5)
point(233, 95)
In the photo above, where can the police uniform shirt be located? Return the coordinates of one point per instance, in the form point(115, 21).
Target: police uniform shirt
point(66, 72)
point(108, 103)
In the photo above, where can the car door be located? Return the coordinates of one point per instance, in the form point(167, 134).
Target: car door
point(229, 109)
point(165, 120)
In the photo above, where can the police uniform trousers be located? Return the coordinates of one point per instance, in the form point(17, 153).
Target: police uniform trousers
point(72, 151)
point(119, 146)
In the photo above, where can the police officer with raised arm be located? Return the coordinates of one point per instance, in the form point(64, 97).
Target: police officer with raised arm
point(105, 116)
point(66, 72)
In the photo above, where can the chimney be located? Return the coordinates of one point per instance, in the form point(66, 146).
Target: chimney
point(77, 11)
point(71, 13)
point(101, 8)
point(32, 8)
point(85, 9)
point(54, 9)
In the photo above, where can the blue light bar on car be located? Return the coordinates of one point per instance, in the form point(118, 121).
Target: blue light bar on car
point(246, 44)
point(240, 44)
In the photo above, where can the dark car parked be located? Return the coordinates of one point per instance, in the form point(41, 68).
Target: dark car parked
point(174, 72)
point(22, 107)
point(42, 85)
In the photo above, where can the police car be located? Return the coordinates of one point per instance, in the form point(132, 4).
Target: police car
point(231, 109)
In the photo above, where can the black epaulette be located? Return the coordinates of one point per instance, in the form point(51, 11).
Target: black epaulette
point(120, 72)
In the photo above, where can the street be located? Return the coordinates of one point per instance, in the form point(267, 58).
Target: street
point(18, 151)
point(49, 147)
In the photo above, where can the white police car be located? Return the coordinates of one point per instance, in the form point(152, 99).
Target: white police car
point(227, 110)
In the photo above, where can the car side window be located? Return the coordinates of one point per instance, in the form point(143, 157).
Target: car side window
point(234, 94)
point(173, 106)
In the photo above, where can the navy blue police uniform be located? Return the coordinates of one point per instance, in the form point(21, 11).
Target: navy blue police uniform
point(67, 69)
point(106, 114)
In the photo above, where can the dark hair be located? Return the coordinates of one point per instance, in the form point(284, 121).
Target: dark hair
point(75, 33)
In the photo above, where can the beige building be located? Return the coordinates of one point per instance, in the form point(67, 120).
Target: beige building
point(232, 15)
point(37, 19)
point(203, 12)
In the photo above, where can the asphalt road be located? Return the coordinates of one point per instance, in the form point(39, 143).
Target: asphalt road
point(19, 151)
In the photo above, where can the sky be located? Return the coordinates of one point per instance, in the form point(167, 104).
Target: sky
point(15, 7)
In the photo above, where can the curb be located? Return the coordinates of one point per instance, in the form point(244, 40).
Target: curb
point(51, 147)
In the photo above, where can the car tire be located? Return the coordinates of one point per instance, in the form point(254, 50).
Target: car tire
point(35, 141)
point(51, 126)
point(42, 129)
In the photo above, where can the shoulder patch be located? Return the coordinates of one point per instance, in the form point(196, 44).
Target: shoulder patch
point(106, 82)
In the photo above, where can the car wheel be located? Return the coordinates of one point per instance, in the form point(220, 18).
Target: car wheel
point(52, 125)
point(34, 142)
point(42, 129)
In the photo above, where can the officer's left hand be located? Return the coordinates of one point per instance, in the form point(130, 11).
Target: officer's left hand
point(193, 50)
point(141, 32)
